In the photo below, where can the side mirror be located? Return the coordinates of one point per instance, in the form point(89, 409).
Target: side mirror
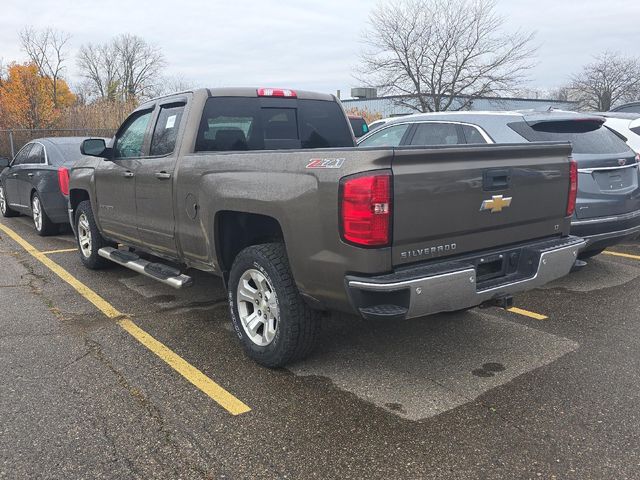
point(4, 163)
point(95, 147)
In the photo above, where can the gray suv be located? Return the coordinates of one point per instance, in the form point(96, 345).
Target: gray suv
point(608, 203)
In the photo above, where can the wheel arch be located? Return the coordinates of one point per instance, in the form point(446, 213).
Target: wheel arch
point(76, 196)
point(237, 230)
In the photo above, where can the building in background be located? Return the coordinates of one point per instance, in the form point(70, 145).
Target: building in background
point(367, 99)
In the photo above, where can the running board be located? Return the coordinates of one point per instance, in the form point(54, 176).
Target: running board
point(158, 271)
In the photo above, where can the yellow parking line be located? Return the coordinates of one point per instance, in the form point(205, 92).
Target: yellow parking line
point(527, 313)
point(625, 255)
point(225, 399)
point(64, 250)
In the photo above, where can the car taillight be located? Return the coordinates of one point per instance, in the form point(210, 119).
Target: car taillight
point(573, 187)
point(365, 209)
point(277, 92)
point(63, 180)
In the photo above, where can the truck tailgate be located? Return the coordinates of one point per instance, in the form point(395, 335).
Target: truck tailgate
point(454, 200)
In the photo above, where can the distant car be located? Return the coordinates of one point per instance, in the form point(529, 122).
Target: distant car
point(36, 182)
point(359, 125)
point(631, 107)
point(379, 123)
point(608, 203)
point(620, 123)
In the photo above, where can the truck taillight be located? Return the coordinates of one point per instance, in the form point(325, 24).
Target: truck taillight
point(365, 209)
point(277, 92)
point(63, 180)
point(573, 187)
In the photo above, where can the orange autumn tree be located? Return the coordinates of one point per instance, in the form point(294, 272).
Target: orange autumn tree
point(25, 99)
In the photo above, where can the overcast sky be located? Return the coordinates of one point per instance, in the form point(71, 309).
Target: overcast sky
point(304, 44)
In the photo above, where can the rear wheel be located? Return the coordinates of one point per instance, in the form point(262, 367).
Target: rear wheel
point(44, 226)
point(4, 205)
point(89, 238)
point(269, 315)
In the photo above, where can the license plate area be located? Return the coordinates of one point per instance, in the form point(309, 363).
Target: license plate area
point(612, 180)
point(488, 268)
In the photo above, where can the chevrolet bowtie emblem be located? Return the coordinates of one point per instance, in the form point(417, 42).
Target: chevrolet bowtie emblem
point(496, 204)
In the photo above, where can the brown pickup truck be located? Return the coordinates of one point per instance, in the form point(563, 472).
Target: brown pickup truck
point(264, 188)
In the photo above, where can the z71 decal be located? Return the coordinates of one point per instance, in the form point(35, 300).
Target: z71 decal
point(325, 163)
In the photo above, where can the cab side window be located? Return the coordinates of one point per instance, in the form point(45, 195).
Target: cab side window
point(165, 133)
point(130, 138)
point(23, 155)
point(386, 137)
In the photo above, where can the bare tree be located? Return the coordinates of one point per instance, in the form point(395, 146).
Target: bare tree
point(126, 68)
point(171, 84)
point(139, 65)
point(609, 80)
point(47, 49)
point(99, 66)
point(442, 54)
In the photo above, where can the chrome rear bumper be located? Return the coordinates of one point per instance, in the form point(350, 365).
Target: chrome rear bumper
point(458, 288)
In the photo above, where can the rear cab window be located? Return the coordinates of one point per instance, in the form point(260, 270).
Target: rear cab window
point(165, 133)
point(255, 123)
point(587, 137)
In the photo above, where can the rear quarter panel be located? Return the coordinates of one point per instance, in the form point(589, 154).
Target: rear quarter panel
point(304, 201)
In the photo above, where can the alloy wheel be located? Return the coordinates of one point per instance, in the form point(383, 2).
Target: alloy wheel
point(84, 235)
point(257, 307)
point(3, 201)
point(36, 208)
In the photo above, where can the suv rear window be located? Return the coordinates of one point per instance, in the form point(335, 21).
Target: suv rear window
point(241, 123)
point(585, 136)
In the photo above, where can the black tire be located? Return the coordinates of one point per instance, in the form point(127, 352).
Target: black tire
point(297, 325)
point(41, 222)
point(90, 260)
point(4, 206)
point(590, 253)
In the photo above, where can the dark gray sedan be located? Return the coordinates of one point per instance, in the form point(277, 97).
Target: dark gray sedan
point(36, 182)
point(608, 203)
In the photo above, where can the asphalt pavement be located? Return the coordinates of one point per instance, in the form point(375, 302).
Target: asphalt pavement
point(483, 394)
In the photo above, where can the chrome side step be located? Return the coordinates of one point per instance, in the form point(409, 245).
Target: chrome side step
point(158, 271)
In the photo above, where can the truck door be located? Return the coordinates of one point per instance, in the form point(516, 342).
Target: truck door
point(155, 180)
point(115, 179)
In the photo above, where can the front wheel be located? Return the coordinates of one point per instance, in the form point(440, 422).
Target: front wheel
point(4, 205)
point(269, 315)
point(89, 238)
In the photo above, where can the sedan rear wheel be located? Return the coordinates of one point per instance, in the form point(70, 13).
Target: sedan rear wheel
point(41, 221)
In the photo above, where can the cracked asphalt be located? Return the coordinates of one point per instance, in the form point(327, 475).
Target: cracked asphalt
point(482, 394)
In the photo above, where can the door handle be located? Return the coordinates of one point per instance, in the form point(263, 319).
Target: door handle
point(29, 174)
point(128, 174)
point(163, 175)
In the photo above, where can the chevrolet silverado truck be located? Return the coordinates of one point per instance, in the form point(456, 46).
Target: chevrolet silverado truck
point(264, 188)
